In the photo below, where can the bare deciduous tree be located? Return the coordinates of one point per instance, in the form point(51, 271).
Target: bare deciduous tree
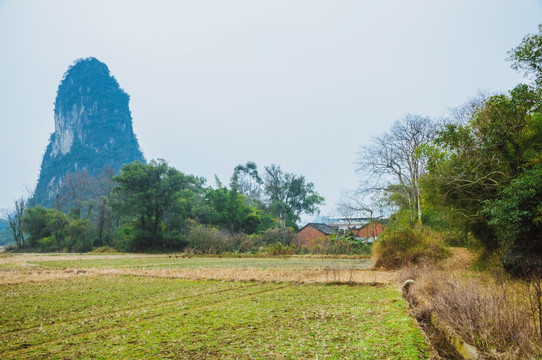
point(354, 204)
point(394, 161)
point(15, 221)
point(462, 114)
point(74, 193)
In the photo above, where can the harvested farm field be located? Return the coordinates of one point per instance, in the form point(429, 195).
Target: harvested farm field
point(152, 307)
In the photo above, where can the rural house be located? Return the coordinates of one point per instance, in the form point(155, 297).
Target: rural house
point(311, 233)
point(347, 223)
point(371, 231)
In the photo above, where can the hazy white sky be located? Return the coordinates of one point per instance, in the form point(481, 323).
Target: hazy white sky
point(217, 83)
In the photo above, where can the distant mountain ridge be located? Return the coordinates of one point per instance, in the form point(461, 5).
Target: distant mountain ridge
point(93, 128)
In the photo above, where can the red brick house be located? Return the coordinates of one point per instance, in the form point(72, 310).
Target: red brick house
point(310, 234)
point(371, 231)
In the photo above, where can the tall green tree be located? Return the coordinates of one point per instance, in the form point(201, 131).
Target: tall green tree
point(35, 223)
point(145, 194)
point(79, 234)
point(283, 195)
point(527, 56)
point(289, 195)
point(229, 210)
point(52, 230)
point(475, 163)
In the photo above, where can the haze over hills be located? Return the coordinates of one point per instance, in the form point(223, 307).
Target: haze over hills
point(93, 128)
point(5, 235)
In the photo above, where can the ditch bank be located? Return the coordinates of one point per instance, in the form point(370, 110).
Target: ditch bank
point(447, 343)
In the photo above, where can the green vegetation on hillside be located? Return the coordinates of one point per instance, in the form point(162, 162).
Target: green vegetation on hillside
point(91, 108)
point(6, 236)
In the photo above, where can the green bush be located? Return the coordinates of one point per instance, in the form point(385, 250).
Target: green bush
point(123, 238)
point(206, 240)
point(47, 244)
point(280, 249)
point(409, 245)
point(104, 250)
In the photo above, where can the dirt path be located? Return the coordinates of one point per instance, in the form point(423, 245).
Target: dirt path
point(461, 259)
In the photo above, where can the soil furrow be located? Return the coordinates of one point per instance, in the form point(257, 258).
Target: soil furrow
point(21, 349)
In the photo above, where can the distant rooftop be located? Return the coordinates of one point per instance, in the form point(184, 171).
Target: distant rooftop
point(348, 219)
point(322, 227)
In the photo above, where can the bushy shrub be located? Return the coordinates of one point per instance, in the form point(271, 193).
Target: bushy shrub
point(47, 244)
point(104, 250)
point(409, 245)
point(205, 239)
point(284, 235)
point(241, 242)
point(123, 238)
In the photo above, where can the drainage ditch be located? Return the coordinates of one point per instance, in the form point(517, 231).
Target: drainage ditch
point(448, 344)
point(438, 341)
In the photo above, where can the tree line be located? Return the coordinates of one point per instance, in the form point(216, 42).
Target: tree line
point(157, 207)
point(476, 175)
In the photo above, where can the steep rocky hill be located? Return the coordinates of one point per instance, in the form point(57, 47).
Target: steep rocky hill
point(93, 128)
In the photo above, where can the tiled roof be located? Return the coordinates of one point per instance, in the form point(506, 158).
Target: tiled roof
point(322, 227)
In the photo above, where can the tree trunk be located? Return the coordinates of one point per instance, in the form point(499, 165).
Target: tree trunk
point(418, 200)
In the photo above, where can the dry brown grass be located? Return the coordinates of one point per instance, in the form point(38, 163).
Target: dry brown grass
point(487, 311)
point(10, 277)
point(18, 259)
point(24, 269)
